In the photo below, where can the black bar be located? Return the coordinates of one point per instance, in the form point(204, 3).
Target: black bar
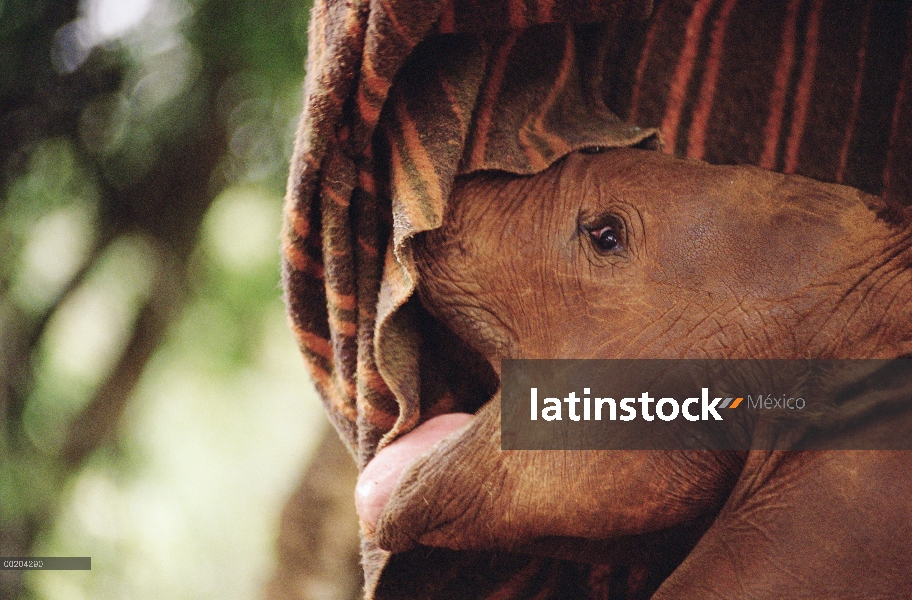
point(703, 404)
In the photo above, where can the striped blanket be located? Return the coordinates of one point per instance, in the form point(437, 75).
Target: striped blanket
point(403, 96)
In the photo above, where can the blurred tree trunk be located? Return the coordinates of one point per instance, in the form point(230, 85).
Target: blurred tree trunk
point(319, 550)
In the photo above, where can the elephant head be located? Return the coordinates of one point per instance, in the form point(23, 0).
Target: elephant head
point(634, 254)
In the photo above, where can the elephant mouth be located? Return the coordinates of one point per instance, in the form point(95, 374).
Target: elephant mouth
point(634, 566)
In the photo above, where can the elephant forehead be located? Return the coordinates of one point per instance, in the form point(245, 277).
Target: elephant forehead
point(497, 223)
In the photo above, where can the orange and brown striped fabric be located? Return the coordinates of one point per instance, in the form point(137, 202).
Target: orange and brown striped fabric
point(396, 107)
point(820, 88)
point(402, 96)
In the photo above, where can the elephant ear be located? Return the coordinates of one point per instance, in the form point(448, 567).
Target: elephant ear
point(465, 493)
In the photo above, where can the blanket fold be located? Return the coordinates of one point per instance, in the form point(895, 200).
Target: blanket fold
point(400, 98)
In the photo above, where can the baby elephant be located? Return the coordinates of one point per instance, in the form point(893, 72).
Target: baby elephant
point(634, 254)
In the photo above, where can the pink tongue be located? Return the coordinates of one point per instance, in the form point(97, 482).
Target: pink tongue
point(379, 477)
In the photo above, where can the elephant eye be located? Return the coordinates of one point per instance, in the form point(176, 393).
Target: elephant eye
point(606, 238)
point(607, 233)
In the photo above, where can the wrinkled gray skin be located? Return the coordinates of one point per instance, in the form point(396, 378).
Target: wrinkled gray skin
point(710, 262)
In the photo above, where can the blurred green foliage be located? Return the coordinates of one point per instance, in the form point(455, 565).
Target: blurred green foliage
point(152, 401)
